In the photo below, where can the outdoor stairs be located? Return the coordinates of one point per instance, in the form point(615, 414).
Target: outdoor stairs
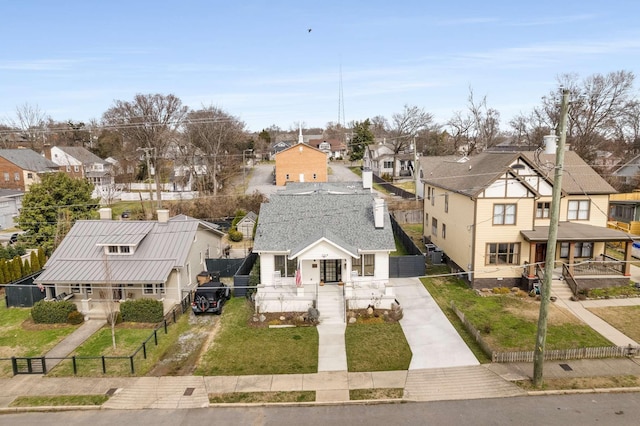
point(473, 382)
point(561, 289)
point(330, 304)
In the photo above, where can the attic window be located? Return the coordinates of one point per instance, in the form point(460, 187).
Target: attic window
point(119, 250)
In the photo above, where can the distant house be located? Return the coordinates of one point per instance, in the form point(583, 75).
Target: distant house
point(10, 205)
point(629, 171)
point(20, 168)
point(100, 261)
point(310, 235)
point(79, 162)
point(277, 147)
point(382, 160)
point(246, 225)
point(333, 147)
point(301, 163)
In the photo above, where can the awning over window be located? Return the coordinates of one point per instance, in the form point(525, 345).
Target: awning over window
point(572, 231)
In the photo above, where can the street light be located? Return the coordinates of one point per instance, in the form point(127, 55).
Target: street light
point(244, 174)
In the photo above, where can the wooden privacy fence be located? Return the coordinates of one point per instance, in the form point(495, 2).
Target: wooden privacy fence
point(549, 355)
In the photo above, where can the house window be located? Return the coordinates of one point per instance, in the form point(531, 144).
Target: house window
point(434, 226)
point(504, 214)
point(446, 203)
point(88, 289)
point(75, 288)
point(125, 249)
point(76, 169)
point(6, 176)
point(113, 249)
point(16, 176)
point(279, 264)
point(444, 231)
point(369, 261)
point(578, 210)
point(580, 250)
point(542, 210)
point(356, 265)
point(428, 193)
point(433, 196)
point(160, 288)
point(503, 253)
point(68, 168)
point(292, 264)
point(29, 175)
point(388, 165)
point(148, 289)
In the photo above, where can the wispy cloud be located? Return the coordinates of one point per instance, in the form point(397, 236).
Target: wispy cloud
point(40, 65)
point(551, 20)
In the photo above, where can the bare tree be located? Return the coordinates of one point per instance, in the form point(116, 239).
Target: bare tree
point(597, 104)
point(219, 136)
point(148, 122)
point(31, 124)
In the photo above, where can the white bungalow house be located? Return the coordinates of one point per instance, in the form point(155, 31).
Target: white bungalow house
point(312, 236)
point(104, 261)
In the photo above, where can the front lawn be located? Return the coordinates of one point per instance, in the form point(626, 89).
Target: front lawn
point(623, 318)
point(20, 336)
point(508, 322)
point(376, 347)
point(240, 349)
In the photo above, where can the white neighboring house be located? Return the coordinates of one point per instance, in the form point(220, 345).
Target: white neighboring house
point(79, 162)
point(100, 261)
point(10, 205)
point(314, 234)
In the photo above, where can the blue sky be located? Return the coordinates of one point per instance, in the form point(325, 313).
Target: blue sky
point(257, 60)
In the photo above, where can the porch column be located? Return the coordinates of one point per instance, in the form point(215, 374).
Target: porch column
point(572, 252)
point(531, 269)
point(627, 258)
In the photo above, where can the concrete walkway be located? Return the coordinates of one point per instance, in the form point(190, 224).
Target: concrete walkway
point(72, 341)
point(434, 342)
point(561, 290)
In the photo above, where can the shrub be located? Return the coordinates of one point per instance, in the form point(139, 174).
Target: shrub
point(142, 310)
point(75, 317)
point(49, 312)
point(234, 235)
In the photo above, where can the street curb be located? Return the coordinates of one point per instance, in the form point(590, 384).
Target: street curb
point(583, 391)
point(49, 409)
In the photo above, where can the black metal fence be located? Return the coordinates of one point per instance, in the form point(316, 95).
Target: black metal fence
point(121, 365)
point(392, 189)
point(22, 293)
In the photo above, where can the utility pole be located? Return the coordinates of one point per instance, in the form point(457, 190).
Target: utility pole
point(545, 290)
point(146, 155)
point(415, 166)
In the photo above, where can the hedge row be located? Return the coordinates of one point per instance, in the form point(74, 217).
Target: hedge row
point(142, 310)
point(50, 312)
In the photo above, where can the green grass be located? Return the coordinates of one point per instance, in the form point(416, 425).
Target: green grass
point(19, 336)
point(508, 323)
point(129, 338)
point(376, 347)
point(400, 249)
point(378, 393)
point(262, 397)
point(239, 349)
point(58, 400)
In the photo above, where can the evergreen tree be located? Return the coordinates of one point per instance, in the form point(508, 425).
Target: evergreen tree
point(35, 262)
point(362, 137)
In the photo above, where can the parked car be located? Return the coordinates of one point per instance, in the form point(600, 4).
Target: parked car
point(210, 297)
point(13, 238)
point(125, 214)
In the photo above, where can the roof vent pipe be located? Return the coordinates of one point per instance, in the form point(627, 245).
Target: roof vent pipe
point(163, 216)
point(105, 213)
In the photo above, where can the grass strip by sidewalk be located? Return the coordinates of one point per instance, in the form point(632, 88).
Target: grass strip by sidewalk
point(239, 349)
point(604, 382)
point(380, 393)
point(622, 318)
point(262, 397)
point(58, 400)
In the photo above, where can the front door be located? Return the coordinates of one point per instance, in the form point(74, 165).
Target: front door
point(331, 270)
point(541, 254)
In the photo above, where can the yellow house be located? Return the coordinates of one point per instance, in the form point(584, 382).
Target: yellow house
point(301, 163)
point(489, 214)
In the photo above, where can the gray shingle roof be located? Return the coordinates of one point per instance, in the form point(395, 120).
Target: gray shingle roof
point(81, 259)
point(304, 213)
point(28, 159)
point(81, 154)
point(472, 176)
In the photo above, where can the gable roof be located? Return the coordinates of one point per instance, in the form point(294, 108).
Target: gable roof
point(28, 159)
point(296, 146)
point(81, 154)
point(304, 213)
point(472, 175)
point(251, 216)
point(159, 248)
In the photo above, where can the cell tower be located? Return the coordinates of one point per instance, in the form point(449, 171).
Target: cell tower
point(341, 119)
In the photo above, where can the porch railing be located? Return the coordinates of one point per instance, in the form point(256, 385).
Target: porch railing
point(600, 266)
point(569, 279)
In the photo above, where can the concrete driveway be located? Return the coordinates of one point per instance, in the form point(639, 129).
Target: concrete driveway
point(435, 343)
